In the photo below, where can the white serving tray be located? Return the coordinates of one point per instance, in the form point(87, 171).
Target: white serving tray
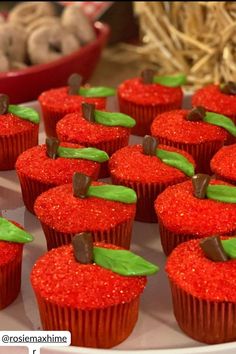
point(156, 331)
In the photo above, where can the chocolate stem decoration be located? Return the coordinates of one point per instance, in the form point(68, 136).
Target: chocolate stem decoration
point(52, 145)
point(147, 76)
point(88, 110)
point(149, 145)
point(4, 103)
point(83, 247)
point(81, 184)
point(200, 183)
point(74, 82)
point(196, 114)
point(229, 88)
point(213, 249)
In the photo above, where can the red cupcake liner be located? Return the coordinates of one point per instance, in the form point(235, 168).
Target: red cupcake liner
point(10, 280)
point(96, 328)
point(146, 195)
point(170, 240)
point(144, 114)
point(222, 178)
point(12, 146)
point(201, 153)
point(51, 117)
point(206, 321)
point(119, 235)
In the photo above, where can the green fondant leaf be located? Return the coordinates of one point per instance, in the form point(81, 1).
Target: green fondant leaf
point(170, 81)
point(221, 193)
point(26, 113)
point(230, 247)
point(115, 193)
point(12, 233)
point(114, 119)
point(97, 91)
point(220, 121)
point(123, 262)
point(89, 153)
point(177, 160)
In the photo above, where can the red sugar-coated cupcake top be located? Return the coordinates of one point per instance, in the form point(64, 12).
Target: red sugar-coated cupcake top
point(192, 271)
point(10, 124)
point(223, 162)
point(173, 125)
point(59, 100)
point(74, 128)
point(182, 213)
point(214, 100)
point(134, 90)
point(9, 251)
point(59, 278)
point(36, 164)
point(131, 163)
point(58, 208)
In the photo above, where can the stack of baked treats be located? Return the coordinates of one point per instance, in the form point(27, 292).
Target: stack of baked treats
point(182, 176)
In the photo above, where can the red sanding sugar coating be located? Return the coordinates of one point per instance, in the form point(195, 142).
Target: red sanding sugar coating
point(59, 278)
point(175, 127)
point(11, 124)
point(59, 209)
point(132, 164)
point(224, 162)
point(190, 269)
point(74, 128)
point(60, 101)
point(36, 164)
point(182, 213)
point(214, 100)
point(134, 90)
point(9, 251)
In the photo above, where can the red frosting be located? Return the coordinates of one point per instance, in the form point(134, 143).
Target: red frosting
point(192, 271)
point(36, 164)
point(134, 90)
point(214, 100)
point(59, 100)
point(132, 164)
point(224, 162)
point(9, 251)
point(174, 126)
point(60, 279)
point(10, 124)
point(73, 127)
point(58, 208)
point(182, 213)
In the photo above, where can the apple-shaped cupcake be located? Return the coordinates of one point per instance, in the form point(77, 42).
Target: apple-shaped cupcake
point(223, 164)
point(19, 127)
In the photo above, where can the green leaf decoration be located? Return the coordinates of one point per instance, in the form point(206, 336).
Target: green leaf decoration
point(177, 160)
point(170, 81)
point(24, 113)
point(89, 153)
point(220, 121)
point(11, 233)
point(114, 119)
point(123, 262)
point(97, 91)
point(221, 193)
point(230, 247)
point(115, 193)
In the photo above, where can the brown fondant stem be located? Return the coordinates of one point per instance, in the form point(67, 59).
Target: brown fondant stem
point(74, 83)
point(200, 182)
point(149, 145)
point(229, 88)
point(196, 114)
point(52, 145)
point(4, 103)
point(88, 110)
point(147, 76)
point(83, 247)
point(81, 185)
point(213, 249)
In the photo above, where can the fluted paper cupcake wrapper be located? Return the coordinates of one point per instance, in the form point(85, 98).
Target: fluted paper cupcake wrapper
point(146, 194)
point(144, 114)
point(170, 240)
point(222, 178)
point(96, 328)
point(206, 321)
point(119, 235)
point(10, 281)
point(201, 153)
point(12, 146)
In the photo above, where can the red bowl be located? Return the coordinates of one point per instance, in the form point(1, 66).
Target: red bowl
point(26, 85)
